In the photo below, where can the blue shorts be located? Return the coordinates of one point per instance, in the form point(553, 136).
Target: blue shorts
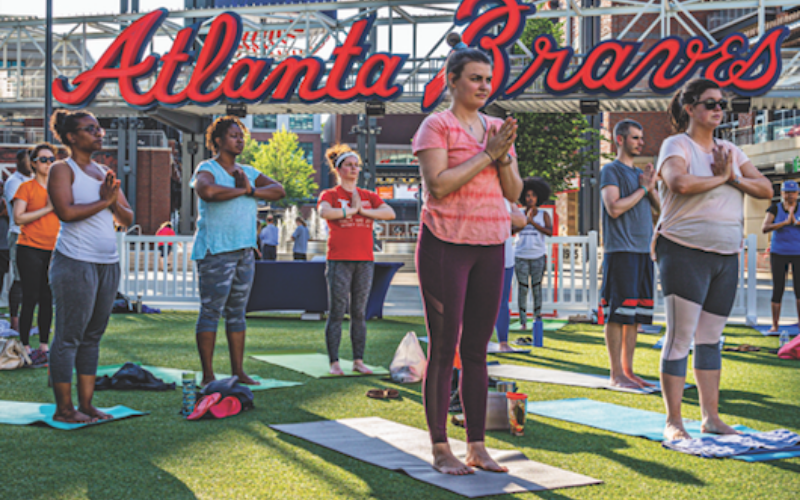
point(627, 295)
point(225, 281)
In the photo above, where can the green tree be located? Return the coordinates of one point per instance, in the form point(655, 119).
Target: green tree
point(555, 146)
point(282, 159)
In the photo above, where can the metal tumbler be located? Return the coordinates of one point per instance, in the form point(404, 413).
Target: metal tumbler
point(506, 386)
point(517, 410)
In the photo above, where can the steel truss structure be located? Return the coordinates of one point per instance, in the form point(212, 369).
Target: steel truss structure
point(304, 29)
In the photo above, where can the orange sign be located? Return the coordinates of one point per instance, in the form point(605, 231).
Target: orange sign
point(386, 192)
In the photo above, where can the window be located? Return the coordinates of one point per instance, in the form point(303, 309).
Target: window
point(308, 149)
point(265, 121)
point(301, 122)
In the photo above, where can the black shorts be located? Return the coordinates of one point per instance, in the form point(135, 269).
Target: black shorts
point(627, 295)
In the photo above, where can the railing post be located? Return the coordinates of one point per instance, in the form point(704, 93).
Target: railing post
point(123, 261)
point(593, 285)
point(751, 315)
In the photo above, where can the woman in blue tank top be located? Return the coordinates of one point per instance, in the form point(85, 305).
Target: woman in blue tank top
point(782, 220)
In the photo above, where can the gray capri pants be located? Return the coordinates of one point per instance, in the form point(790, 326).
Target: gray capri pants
point(84, 294)
point(348, 280)
point(225, 281)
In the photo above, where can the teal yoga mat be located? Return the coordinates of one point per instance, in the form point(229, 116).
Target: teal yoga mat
point(24, 413)
point(632, 422)
point(174, 375)
point(550, 325)
point(312, 363)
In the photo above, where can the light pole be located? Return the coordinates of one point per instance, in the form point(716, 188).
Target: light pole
point(48, 71)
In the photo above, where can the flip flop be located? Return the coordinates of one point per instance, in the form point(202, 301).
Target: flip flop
point(202, 406)
point(228, 407)
point(524, 341)
point(383, 394)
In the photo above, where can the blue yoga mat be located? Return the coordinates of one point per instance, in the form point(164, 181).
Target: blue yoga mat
point(791, 329)
point(650, 329)
point(633, 422)
point(25, 413)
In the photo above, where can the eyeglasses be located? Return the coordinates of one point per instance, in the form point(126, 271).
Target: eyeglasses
point(45, 159)
point(93, 129)
point(711, 104)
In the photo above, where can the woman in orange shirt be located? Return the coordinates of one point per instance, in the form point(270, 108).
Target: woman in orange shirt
point(39, 227)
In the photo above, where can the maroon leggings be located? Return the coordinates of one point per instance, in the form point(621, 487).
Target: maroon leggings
point(461, 289)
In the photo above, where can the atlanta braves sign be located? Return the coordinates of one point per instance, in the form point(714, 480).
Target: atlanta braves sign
point(611, 67)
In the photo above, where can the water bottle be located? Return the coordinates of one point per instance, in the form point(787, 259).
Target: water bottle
point(538, 333)
point(784, 338)
point(189, 395)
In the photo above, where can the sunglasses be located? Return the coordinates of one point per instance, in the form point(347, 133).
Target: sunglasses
point(44, 159)
point(93, 129)
point(711, 104)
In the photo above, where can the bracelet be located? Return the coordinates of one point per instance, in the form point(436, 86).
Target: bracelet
point(344, 213)
point(506, 163)
point(490, 156)
point(645, 190)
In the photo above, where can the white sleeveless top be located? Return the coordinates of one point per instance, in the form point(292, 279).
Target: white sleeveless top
point(530, 242)
point(92, 239)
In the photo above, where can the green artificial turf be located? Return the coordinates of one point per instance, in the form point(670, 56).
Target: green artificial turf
point(162, 457)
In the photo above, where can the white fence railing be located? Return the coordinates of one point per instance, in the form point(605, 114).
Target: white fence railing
point(153, 273)
point(571, 281)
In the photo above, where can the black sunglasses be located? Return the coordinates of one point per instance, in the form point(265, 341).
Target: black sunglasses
point(711, 104)
point(45, 159)
point(92, 129)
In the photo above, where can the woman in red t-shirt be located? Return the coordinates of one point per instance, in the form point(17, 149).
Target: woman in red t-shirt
point(39, 227)
point(349, 211)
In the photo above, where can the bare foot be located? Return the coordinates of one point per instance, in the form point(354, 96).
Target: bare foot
point(360, 367)
point(504, 347)
point(673, 431)
point(717, 426)
point(477, 456)
point(73, 417)
point(94, 413)
point(774, 329)
point(639, 380)
point(445, 462)
point(207, 381)
point(44, 348)
point(336, 369)
point(246, 380)
point(623, 382)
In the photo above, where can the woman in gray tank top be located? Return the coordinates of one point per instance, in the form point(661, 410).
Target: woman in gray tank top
point(84, 273)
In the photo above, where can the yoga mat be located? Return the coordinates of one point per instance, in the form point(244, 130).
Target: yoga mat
point(175, 375)
point(407, 449)
point(660, 343)
point(561, 377)
point(493, 348)
point(23, 413)
point(634, 422)
point(791, 329)
point(313, 364)
point(650, 329)
point(550, 325)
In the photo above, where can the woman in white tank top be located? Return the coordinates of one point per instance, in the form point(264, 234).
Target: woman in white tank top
point(530, 258)
point(84, 273)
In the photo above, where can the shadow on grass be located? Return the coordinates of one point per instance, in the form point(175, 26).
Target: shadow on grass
point(752, 405)
point(556, 439)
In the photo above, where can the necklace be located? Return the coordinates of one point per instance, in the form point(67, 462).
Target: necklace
point(469, 125)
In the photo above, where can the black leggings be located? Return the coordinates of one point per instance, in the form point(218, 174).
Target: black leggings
point(779, 264)
point(34, 265)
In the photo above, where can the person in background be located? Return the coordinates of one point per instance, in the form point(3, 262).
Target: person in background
point(518, 221)
point(350, 264)
point(468, 166)
point(530, 252)
point(4, 219)
point(697, 244)
point(225, 240)
point(629, 199)
point(300, 239)
point(23, 174)
point(269, 238)
point(165, 229)
point(39, 226)
point(782, 220)
point(85, 271)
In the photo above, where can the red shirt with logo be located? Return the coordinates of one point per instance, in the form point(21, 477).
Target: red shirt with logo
point(351, 238)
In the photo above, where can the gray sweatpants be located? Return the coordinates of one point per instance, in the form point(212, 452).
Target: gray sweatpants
point(84, 294)
point(529, 271)
point(348, 280)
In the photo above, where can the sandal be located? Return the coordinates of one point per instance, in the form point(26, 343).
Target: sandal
point(205, 404)
point(525, 341)
point(228, 407)
point(383, 394)
point(743, 348)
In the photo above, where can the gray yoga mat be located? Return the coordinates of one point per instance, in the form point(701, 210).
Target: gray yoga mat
point(547, 376)
point(493, 348)
point(407, 449)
